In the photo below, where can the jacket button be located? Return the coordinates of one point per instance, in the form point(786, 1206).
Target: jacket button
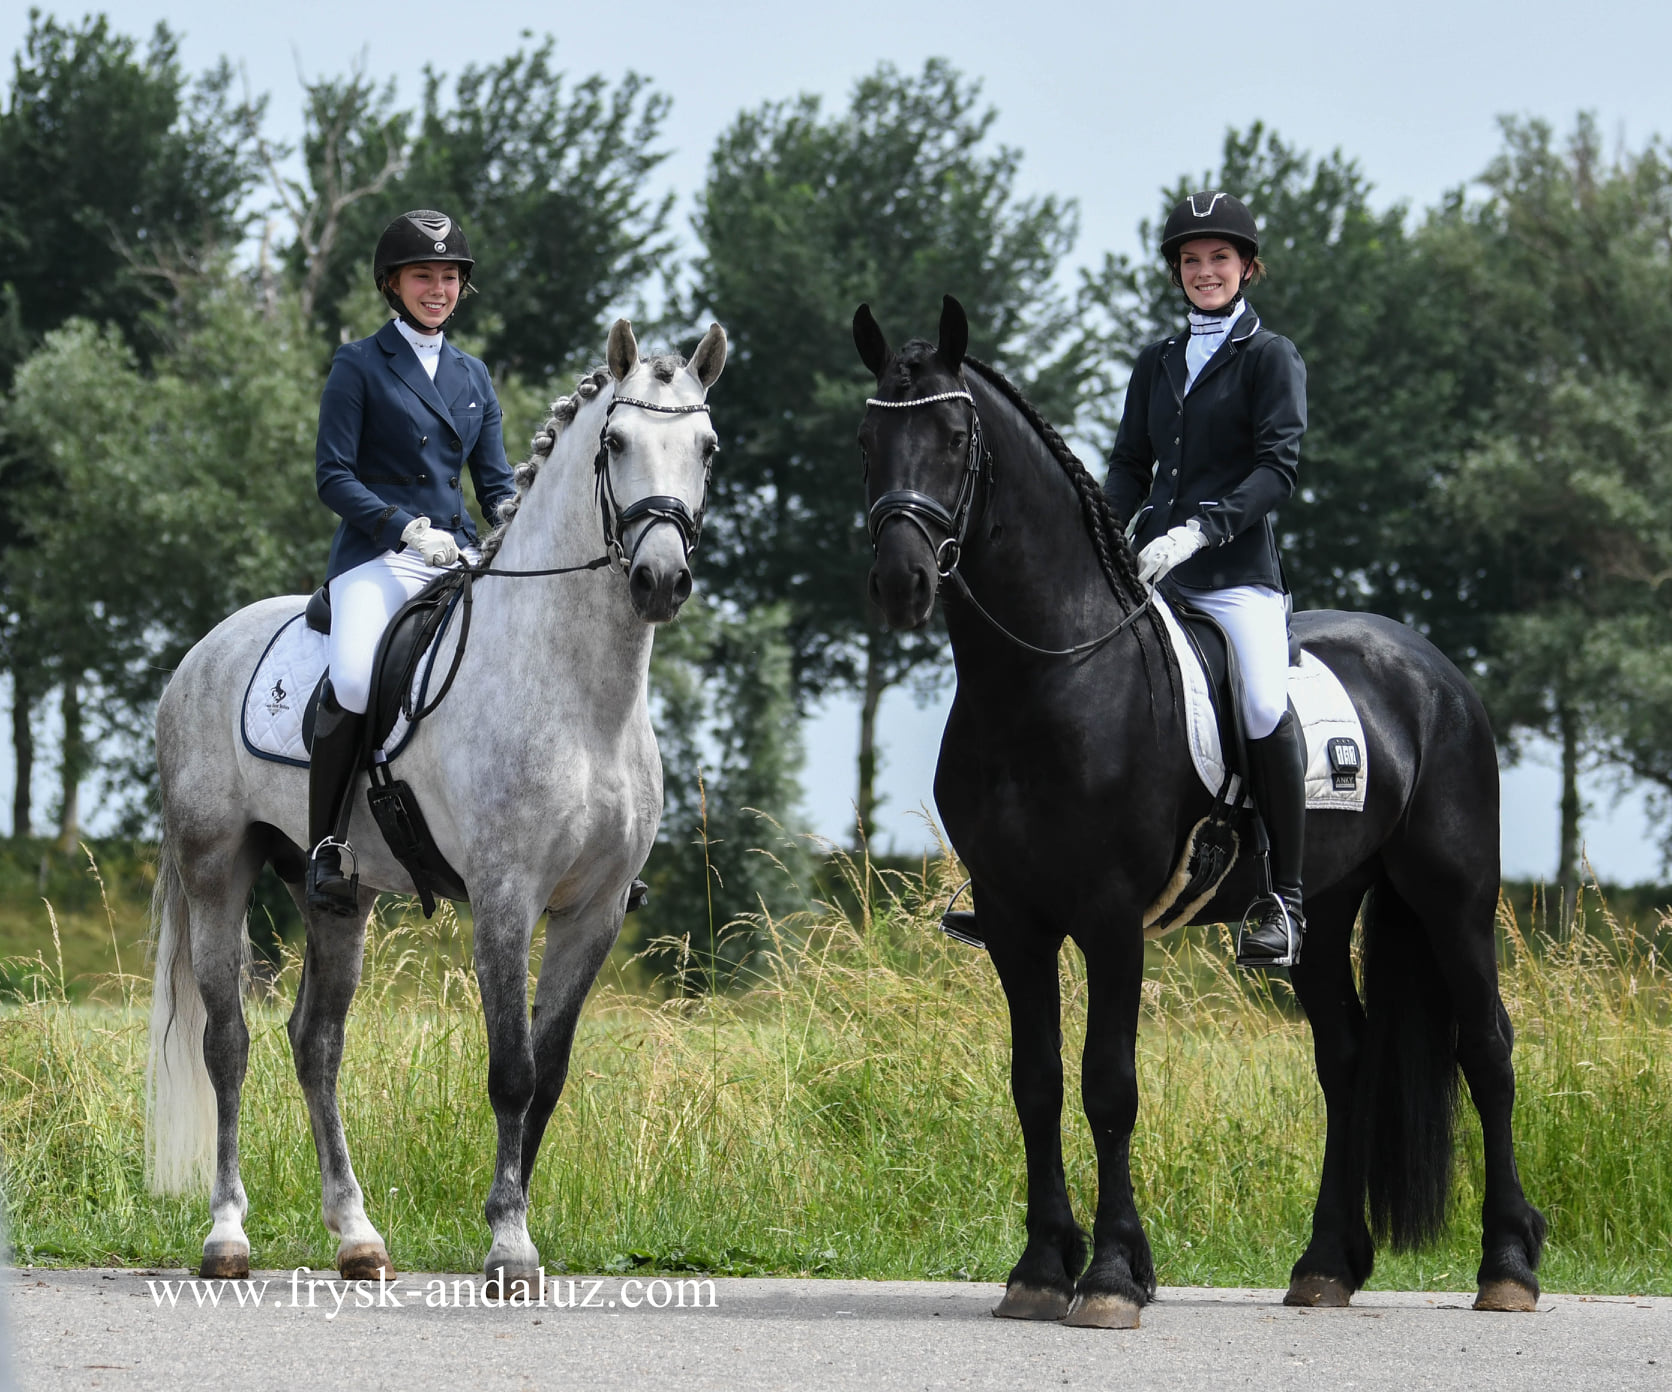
point(1176, 439)
point(1175, 473)
point(423, 439)
point(453, 482)
point(455, 519)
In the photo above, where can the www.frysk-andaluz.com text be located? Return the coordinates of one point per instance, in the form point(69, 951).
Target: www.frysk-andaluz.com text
point(302, 1290)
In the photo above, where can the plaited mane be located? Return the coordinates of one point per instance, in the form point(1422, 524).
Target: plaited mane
point(563, 412)
point(1108, 537)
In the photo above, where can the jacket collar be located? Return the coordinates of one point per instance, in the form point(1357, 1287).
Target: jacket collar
point(1247, 325)
point(405, 365)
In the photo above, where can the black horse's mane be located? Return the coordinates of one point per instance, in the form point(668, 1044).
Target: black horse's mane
point(1108, 536)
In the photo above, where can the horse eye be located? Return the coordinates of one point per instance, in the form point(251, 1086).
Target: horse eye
point(614, 443)
point(959, 439)
point(710, 448)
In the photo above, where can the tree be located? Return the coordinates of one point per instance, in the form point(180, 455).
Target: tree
point(1568, 260)
point(548, 178)
point(898, 200)
point(190, 481)
point(115, 174)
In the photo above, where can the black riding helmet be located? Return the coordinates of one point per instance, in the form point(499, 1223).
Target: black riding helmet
point(1212, 213)
point(421, 235)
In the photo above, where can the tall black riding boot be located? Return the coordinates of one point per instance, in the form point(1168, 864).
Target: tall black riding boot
point(1277, 770)
point(333, 764)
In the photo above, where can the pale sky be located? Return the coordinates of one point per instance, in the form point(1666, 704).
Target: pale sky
point(1108, 103)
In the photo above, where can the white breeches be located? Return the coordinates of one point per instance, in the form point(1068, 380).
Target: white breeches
point(363, 600)
point(1255, 620)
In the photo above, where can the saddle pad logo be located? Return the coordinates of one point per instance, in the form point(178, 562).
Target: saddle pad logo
point(278, 698)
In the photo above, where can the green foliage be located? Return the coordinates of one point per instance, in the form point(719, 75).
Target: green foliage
point(114, 173)
point(192, 484)
point(547, 176)
point(850, 1116)
point(898, 200)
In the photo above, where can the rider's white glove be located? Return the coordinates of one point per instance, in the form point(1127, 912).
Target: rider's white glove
point(1165, 552)
point(437, 548)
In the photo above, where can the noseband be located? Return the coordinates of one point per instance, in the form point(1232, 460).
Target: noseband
point(658, 507)
point(908, 505)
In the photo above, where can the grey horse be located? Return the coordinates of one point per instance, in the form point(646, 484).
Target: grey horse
point(540, 779)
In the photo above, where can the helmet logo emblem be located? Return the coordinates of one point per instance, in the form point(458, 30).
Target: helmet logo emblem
point(1204, 212)
point(441, 246)
point(436, 226)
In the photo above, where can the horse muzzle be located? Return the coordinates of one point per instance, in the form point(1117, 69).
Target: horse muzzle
point(659, 576)
point(905, 576)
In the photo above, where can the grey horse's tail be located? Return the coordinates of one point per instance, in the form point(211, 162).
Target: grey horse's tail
point(179, 1100)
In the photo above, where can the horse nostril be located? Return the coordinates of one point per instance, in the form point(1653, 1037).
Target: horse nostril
point(641, 582)
point(682, 587)
point(921, 587)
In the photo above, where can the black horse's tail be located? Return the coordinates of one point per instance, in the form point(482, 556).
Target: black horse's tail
point(1407, 1096)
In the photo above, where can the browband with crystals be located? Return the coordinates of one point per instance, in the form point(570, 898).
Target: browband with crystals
point(922, 400)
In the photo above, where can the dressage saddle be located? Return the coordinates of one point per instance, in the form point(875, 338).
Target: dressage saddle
point(417, 624)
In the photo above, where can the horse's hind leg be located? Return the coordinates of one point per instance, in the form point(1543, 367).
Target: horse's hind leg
point(217, 880)
point(1460, 914)
point(330, 977)
point(1338, 1260)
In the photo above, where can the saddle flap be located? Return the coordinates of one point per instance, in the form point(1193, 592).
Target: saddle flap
point(318, 612)
point(416, 624)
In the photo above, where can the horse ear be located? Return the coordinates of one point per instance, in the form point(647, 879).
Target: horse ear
point(954, 333)
point(709, 361)
point(623, 352)
point(867, 337)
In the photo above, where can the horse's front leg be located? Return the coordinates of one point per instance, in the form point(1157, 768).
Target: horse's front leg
point(578, 941)
point(330, 977)
point(503, 931)
point(1041, 1284)
point(1121, 1278)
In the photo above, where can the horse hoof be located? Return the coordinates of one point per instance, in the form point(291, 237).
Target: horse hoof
point(1318, 1292)
point(1102, 1312)
point(365, 1261)
point(1031, 1303)
point(1509, 1296)
point(225, 1261)
point(508, 1286)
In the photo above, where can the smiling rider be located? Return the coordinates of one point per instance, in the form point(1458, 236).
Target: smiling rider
point(404, 413)
point(1209, 445)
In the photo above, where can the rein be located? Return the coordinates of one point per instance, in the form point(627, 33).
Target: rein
point(908, 505)
point(658, 507)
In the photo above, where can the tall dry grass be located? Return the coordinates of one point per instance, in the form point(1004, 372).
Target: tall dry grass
point(846, 1113)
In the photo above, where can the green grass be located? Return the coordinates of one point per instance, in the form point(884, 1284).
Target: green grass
point(848, 1114)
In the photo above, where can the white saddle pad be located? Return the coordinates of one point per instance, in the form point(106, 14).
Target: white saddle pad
point(283, 683)
point(1321, 704)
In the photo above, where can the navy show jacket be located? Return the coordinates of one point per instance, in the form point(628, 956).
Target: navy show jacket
point(1226, 454)
point(393, 444)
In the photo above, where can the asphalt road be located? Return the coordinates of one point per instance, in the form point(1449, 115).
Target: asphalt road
point(107, 1330)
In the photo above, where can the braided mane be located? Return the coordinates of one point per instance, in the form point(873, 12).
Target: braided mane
point(1108, 537)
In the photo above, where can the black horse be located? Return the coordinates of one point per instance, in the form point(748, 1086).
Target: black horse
point(1066, 786)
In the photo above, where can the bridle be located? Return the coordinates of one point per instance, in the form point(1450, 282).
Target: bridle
point(909, 505)
point(658, 507)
